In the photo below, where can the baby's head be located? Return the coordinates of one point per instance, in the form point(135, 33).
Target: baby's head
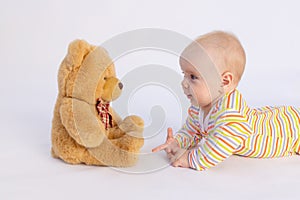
point(217, 58)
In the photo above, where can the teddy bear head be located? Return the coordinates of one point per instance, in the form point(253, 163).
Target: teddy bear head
point(91, 76)
point(109, 87)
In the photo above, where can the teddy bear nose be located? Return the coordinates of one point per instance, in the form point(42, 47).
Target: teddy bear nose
point(120, 86)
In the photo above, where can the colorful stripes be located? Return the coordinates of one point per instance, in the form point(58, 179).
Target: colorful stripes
point(234, 128)
point(189, 135)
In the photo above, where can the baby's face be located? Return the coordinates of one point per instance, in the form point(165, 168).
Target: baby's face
point(194, 85)
point(202, 80)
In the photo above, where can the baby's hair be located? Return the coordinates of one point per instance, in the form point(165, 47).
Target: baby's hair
point(226, 52)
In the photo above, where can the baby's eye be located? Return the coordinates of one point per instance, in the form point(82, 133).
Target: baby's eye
point(193, 77)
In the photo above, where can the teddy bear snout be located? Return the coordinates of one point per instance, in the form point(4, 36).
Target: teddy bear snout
point(120, 86)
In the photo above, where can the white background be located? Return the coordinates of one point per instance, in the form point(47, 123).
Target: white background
point(33, 40)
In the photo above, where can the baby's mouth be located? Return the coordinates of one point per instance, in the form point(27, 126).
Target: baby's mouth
point(189, 96)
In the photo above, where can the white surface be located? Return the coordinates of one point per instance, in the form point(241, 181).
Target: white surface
point(34, 36)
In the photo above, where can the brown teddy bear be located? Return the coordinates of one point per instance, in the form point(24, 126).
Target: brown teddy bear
point(85, 129)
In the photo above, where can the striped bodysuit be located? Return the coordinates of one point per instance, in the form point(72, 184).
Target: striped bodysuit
point(231, 127)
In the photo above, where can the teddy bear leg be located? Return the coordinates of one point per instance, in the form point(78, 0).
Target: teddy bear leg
point(89, 159)
point(115, 133)
point(133, 140)
point(128, 136)
point(53, 153)
point(122, 152)
point(65, 148)
point(129, 143)
point(129, 146)
point(133, 125)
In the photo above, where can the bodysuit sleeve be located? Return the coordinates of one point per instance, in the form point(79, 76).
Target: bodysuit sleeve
point(230, 131)
point(189, 135)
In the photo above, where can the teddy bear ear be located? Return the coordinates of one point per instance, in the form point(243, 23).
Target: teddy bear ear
point(89, 74)
point(77, 51)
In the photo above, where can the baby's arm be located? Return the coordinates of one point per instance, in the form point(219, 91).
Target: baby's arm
point(189, 135)
point(177, 148)
point(229, 133)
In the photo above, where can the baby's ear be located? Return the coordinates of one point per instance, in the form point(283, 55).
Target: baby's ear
point(227, 79)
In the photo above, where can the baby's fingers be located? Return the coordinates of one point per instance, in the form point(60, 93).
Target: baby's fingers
point(159, 148)
point(170, 134)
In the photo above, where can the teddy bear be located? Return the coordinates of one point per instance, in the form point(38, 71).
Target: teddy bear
point(85, 128)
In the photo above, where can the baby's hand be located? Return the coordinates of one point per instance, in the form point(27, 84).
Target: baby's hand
point(171, 146)
point(177, 156)
point(181, 160)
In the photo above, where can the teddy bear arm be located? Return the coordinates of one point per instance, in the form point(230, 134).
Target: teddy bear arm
point(116, 117)
point(81, 123)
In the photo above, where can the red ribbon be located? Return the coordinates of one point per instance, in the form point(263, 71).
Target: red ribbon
point(103, 111)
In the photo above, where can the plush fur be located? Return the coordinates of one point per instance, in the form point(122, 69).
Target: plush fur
point(78, 134)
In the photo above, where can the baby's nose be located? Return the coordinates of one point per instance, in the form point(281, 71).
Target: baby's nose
point(184, 84)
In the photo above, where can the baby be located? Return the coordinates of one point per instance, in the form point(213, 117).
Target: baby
point(219, 122)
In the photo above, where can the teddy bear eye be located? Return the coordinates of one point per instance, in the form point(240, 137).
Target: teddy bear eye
point(105, 78)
